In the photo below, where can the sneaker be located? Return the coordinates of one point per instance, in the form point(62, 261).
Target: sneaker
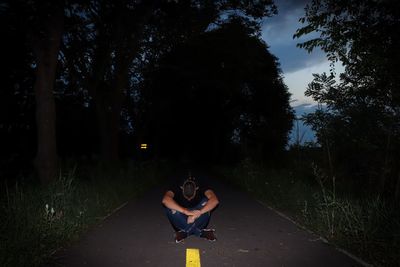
point(208, 234)
point(179, 236)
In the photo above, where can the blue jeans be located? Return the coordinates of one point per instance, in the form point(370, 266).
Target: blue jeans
point(179, 220)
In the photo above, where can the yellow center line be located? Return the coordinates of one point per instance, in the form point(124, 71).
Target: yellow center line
point(192, 257)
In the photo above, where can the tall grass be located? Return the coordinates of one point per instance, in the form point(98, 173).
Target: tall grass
point(38, 220)
point(367, 227)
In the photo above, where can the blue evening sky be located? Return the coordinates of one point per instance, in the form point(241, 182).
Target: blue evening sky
point(296, 63)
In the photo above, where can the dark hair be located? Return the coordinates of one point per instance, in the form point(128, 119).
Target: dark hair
point(189, 188)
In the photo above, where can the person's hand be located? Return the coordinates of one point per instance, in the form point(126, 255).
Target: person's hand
point(188, 212)
point(192, 218)
point(196, 213)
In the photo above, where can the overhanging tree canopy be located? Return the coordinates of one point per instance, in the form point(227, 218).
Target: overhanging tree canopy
point(220, 90)
point(361, 124)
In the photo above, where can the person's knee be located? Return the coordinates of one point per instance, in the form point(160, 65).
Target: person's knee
point(170, 211)
point(174, 213)
point(204, 217)
point(204, 201)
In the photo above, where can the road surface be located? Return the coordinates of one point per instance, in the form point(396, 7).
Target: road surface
point(249, 234)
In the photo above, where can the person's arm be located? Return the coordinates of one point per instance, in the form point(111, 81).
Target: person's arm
point(211, 203)
point(169, 202)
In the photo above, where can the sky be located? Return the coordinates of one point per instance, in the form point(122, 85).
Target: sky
point(296, 63)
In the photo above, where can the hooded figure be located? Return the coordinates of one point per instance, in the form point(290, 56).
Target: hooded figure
point(189, 188)
point(188, 204)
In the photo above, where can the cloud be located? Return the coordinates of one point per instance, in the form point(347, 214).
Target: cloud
point(293, 59)
point(305, 109)
point(298, 81)
point(297, 64)
point(300, 132)
point(278, 32)
point(284, 5)
point(282, 26)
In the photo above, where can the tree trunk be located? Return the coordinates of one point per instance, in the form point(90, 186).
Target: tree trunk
point(108, 95)
point(46, 48)
point(385, 168)
point(109, 106)
point(397, 190)
point(108, 109)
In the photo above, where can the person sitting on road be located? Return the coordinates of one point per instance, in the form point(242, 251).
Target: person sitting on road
point(188, 205)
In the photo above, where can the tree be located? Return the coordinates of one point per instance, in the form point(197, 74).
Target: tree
point(362, 111)
point(46, 38)
point(91, 54)
point(17, 110)
point(219, 90)
point(123, 33)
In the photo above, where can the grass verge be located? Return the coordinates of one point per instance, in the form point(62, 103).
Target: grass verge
point(367, 227)
point(38, 220)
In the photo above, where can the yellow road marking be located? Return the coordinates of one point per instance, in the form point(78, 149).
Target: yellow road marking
point(192, 257)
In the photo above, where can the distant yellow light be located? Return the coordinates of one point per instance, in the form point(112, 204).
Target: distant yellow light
point(143, 146)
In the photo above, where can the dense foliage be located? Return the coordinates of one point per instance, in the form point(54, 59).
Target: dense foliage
point(75, 75)
point(368, 227)
point(219, 96)
point(359, 122)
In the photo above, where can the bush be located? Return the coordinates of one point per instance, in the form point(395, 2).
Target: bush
point(39, 220)
point(368, 226)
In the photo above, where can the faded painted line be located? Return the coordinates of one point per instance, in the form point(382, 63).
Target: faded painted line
point(114, 211)
point(192, 257)
point(350, 255)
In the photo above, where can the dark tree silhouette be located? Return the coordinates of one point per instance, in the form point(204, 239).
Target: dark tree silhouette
point(219, 91)
point(90, 56)
point(17, 137)
point(361, 122)
point(120, 37)
point(46, 39)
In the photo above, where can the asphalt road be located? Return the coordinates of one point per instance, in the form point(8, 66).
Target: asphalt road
point(249, 234)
